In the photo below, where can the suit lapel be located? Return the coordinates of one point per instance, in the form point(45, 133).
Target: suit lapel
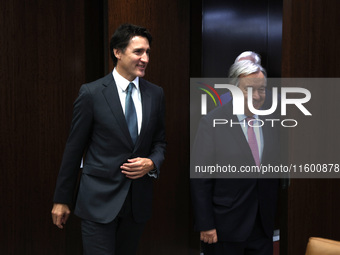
point(238, 134)
point(112, 98)
point(267, 132)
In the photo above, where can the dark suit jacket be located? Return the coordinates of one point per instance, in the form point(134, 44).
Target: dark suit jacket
point(99, 128)
point(230, 205)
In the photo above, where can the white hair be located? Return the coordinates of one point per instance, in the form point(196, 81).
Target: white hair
point(244, 68)
point(249, 55)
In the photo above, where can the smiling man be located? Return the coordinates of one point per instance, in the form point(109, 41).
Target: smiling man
point(118, 124)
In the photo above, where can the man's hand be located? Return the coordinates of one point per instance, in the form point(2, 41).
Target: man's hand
point(209, 236)
point(137, 167)
point(60, 214)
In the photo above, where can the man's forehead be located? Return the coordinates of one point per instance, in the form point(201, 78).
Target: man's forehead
point(251, 82)
point(248, 58)
point(139, 42)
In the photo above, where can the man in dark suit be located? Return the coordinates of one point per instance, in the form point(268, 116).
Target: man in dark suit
point(235, 216)
point(118, 123)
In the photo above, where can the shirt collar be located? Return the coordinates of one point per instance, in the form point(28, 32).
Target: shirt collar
point(242, 117)
point(123, 83)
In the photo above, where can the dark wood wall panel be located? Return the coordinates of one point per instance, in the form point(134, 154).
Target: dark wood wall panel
point(48, 49)
point(170, 229)
point(311, 43)
point(42, 66)
point(310, 49)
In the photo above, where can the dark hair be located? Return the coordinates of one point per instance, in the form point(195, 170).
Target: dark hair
point(122, 36)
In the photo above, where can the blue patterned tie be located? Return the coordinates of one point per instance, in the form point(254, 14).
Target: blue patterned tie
point(130, 114)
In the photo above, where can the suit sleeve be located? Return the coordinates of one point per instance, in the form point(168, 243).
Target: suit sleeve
point(76, 143)
point(158, 139)
point(202, 187)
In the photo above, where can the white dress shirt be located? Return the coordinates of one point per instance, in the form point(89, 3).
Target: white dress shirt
point(122, 85)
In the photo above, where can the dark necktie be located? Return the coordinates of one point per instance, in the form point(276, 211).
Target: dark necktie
point(253, 143)
point(130, 114)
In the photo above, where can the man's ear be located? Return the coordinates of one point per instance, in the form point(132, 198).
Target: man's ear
point(117, 53)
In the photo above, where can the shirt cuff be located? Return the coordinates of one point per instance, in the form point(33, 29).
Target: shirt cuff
point(153, 173)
